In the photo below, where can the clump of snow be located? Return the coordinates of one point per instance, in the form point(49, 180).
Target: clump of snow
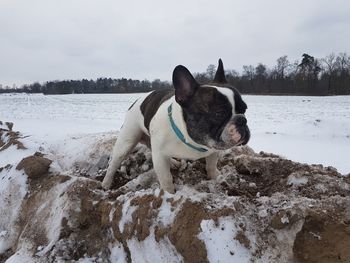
point(127, 212)
point(296, 179)
point(220, 243)
point(285, 219)
point(118, 254)
point(149, 250)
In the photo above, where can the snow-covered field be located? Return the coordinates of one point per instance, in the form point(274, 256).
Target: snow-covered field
point(304, 129)
point(255, 211)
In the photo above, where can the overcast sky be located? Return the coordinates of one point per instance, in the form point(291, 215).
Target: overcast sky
point(44, 40)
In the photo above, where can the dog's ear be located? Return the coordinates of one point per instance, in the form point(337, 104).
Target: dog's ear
point(220, 74)
point(185, 85)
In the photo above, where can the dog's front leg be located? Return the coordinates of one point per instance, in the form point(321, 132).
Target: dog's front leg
point(161, 166)
point(211, 165)
point(120, 151)
point(128, 138)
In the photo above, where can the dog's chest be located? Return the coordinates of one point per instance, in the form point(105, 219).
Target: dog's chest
point(165, 140)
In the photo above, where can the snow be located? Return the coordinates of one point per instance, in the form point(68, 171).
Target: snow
point(149, 250)
point(118, 254)
point(13, 155)
point(297, 180)
point(220, 242)
point(13, 188)
point(164, 214)
point(57, 207)
point(304, 129)
point(127, 212)
point(69, 129)
point(22, 257)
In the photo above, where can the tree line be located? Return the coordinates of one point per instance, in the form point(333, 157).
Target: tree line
point(101, 85)
point(309, 76)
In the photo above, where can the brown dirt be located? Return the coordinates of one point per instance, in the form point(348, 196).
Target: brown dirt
point(142, 217)
point(242, 238)
point(323, 239)
point(12, 137)
point(34, 166)
point(116, 231)
point(88, 234)
point(183, 233)
point(4, 256)
point(32, 223)
point(223, 212)
point(250, 175)
point(265, 174)
point(283, 219)
point(84, 232)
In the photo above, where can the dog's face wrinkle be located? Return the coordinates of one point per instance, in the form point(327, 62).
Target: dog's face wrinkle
point(207, 115)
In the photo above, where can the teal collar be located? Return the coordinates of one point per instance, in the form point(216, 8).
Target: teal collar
point(179, 133)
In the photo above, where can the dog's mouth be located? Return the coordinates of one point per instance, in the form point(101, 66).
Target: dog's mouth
point(243, 135)
point(233, 135)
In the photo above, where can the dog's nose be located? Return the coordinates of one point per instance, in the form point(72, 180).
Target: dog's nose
point(240, 120)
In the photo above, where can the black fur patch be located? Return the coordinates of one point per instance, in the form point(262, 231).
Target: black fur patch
point(207, 114)
point(152, 102)
point(240, 105)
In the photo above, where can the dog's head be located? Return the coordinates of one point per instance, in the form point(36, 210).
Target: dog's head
point(213, 113)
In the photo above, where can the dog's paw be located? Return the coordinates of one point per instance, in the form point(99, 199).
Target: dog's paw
point(169, 189)
point(213, 174)
point(107, 183)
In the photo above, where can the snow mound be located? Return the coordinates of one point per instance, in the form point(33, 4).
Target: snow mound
point(262, 208)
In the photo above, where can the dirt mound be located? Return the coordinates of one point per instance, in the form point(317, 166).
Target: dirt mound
point(323, 238)
point(243, 173)
point(261, 208)
point(34, 166)
point(9, 137)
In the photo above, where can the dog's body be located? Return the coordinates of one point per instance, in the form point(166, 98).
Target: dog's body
point(191, 122)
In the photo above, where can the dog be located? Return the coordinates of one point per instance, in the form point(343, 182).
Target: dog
point(191, 121)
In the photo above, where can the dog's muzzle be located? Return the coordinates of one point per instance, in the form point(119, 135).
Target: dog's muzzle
point(236, 131)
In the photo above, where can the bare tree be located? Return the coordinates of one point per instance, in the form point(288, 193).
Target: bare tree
point(248, 72)
point(233, 73)
point(330, 69)
point(343, 72)
point(211, 69)
point(343, 62)
point(282, 66)
point(330, 63)
point(232, 76)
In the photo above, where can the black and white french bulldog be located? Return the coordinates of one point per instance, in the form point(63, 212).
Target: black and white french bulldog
point(191, 121)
